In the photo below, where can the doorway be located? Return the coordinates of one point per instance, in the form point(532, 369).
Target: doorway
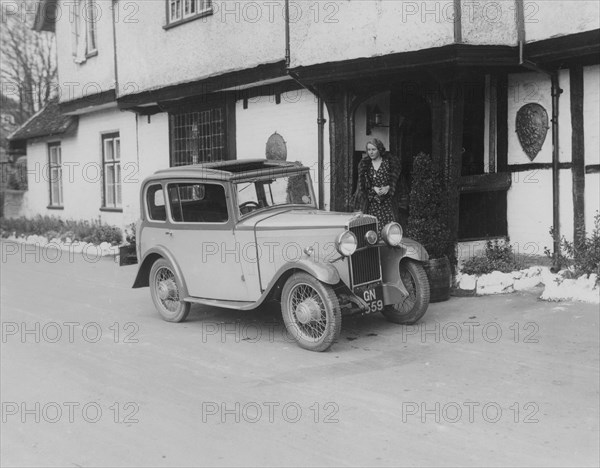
point(410, 134)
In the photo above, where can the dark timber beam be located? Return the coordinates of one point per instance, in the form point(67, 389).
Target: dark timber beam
point(577, 153)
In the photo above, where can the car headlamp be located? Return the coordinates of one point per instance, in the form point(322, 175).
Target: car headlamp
point(392, 234)
point(346, 243)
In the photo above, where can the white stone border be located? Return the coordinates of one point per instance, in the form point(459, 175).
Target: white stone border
point(104, 249)
point(557, 287)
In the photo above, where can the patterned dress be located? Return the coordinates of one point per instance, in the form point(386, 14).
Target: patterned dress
point(380, 206)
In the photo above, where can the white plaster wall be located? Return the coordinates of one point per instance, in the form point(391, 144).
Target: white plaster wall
point(96, 74)
point(295, 119)
point(238, 35)
point(591, 112)
point(529, 208)
point(82, 163)
point(348, 29)
point(360, 122)
point(592, 200)
point(550, 18)
point(488, 22)
point(524, 88)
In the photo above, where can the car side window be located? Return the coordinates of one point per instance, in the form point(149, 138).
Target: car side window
point(155, 199)
point(198, 203)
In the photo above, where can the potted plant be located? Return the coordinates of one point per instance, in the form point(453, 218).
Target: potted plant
point(427, 224)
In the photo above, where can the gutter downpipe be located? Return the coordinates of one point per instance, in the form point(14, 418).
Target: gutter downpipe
point(320, 117)
point(321, 153)
point(556, 91)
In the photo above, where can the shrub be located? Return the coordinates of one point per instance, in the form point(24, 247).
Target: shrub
point(582, 256)
point(52, 227)
point(428, 209)
point(498, 256)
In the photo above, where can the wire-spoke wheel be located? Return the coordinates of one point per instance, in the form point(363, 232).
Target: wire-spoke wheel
point(413, 307)
point(165, 291)
point(311, 312)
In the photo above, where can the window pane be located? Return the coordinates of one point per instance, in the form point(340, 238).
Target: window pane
point(118, 183)
point(109, 186)
point(175, 203)
point(90, 18)
point(55, 174)
point(197, 137)
point(56, 186)
point(60, 188)
point(117, 149)
point(202, 203)
point(108, 150)
point(155, 198)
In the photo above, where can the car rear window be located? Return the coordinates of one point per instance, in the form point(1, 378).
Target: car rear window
point(198, 203)
point(155, 198)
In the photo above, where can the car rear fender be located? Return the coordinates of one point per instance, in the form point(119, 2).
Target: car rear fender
point(143, 275)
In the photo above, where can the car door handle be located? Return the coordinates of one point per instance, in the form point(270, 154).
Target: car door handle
point(169, 233)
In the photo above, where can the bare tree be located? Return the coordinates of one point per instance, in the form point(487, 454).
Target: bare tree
point(28, 68)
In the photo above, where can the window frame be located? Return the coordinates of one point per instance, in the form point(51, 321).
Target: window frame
point(149, 217)
point(91, 32)
point(55, 204)
point(115, 162)
point(84, 29)
point(184, 17)
point(216, 224)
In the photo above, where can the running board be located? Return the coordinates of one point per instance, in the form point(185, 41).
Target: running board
point(238, 305)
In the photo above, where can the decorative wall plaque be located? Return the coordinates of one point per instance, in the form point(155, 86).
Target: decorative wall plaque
point(276, 148)
point(532, 127)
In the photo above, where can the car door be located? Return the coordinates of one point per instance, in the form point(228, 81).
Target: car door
point(201, 238)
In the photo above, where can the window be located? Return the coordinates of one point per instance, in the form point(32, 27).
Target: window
point(179, 10)
point(155, 199)
point(198, 136)
point(55, 175)
point(83, 29)
point(111, 162)
point(283, 190)
point(198, 203)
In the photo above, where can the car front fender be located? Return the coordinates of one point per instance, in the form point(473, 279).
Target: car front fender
point(324, 272)
point(412, 249)
point(393, 288)
point(143, 274)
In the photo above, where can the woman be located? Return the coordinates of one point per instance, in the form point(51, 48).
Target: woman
point(378, 173)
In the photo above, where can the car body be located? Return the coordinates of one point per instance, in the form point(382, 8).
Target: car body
point(234, 234)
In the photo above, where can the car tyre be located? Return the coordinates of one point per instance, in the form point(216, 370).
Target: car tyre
point(165, 289)
point(413, 307)
point(311, 312)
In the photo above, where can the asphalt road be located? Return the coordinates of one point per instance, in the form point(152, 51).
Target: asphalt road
point(91, 376)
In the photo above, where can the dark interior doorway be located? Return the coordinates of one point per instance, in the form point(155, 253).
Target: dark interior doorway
point(410, 134)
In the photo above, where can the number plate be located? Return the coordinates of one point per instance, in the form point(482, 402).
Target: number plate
point(372, 294)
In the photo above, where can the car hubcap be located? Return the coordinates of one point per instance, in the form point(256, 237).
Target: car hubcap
point(166, 289)
point(308, 311)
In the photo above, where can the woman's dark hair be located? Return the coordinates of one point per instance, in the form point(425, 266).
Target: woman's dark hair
point(377, 144)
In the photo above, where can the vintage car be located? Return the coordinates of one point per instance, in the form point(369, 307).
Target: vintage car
point(235, 234)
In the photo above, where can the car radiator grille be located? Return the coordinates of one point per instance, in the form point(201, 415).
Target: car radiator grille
point(365, 264)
